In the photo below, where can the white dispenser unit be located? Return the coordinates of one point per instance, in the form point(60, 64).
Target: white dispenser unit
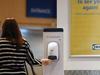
point(53, 49)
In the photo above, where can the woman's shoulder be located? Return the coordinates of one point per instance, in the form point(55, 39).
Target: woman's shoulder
point(26, 43)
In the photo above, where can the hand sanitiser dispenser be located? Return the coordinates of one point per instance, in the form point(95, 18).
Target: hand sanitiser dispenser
point(53, 50)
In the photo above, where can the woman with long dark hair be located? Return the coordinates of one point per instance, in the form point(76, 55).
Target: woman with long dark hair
point(15, 51)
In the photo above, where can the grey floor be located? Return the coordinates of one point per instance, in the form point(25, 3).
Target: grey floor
point(38, 71)
point(82, 72)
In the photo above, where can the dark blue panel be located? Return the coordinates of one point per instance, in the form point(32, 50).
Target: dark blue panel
point(42, 8)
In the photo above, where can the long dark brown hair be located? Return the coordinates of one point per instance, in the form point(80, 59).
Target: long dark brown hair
point(11, 31)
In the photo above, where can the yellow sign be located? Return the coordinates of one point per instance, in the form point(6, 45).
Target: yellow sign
point(85, 28)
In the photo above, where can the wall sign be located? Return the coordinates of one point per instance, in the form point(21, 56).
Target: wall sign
point(41, 8)
point(85, 28)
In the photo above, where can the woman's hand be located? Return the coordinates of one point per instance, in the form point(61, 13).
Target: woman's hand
point(46, 61)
